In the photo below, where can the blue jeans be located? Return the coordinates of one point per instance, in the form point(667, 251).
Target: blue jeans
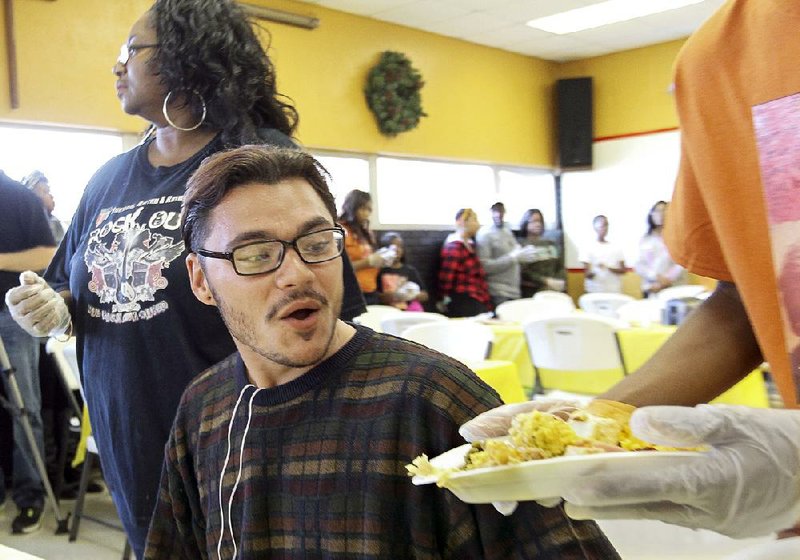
point(23, 353)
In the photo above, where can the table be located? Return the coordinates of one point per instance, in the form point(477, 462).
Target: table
point(7, 553)
point(637, 345)
point(502, 376)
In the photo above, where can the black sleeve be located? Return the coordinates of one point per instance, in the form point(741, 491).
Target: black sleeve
point(353, 303)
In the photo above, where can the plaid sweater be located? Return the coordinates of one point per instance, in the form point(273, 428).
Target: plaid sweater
point(461, 272)
point(322, 472)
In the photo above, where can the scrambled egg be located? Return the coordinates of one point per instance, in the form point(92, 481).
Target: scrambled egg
point(539, 435)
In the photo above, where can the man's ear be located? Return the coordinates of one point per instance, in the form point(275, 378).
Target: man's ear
point(197, 279)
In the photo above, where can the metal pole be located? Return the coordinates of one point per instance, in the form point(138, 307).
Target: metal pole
point(22, 413)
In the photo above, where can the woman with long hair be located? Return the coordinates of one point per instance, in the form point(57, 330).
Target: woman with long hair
point(197, 72)
point(655, 265)
point(547, 271)
point(360, 244)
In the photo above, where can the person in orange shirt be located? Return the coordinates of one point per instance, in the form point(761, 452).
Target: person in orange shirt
point(360, 244)
point(735, 216)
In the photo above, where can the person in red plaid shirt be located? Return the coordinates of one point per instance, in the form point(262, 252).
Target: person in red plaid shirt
point(462, 280)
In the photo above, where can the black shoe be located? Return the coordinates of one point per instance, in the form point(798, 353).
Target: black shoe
point(28, 521)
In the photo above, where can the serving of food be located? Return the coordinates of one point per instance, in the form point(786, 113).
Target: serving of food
point(542, 456)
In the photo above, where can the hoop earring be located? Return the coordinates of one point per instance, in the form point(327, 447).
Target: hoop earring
point(175, 126)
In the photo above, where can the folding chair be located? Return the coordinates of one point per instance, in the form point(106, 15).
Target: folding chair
point(641, 312)
point(464, 340)
point(396, 324)
point(374, 314)
point(678, 292)
point(528, 309)
point(605, 304)
point(576, 353)
point(552, 295)
point(65, 357)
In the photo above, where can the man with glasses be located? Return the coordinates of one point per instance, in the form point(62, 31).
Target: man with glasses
point(295, 446)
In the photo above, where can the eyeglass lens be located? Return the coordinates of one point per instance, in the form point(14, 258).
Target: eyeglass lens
point(314, 247)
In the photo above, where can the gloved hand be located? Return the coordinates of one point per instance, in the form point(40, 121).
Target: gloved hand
point(37, 308)
point(408, 291)
point(525, 254)
point(747, 485)
point(382, 257)
point(555, 284)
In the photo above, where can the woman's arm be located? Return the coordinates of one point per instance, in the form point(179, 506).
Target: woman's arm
point(712, 350)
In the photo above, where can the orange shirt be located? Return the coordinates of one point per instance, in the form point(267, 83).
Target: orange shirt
point(735, 214)
point(358, 249)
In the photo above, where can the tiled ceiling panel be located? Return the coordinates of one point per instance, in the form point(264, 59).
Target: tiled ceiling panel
point(501, 24)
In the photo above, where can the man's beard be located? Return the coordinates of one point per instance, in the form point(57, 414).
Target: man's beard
point(242, 329)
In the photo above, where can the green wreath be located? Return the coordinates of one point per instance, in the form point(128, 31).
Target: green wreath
point(392, 93)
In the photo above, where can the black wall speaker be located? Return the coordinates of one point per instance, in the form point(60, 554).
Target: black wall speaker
point(575, 123)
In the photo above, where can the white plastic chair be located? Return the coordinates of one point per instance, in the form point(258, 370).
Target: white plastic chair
point(397, 324)
point(375, 314)
point(552, 295)
point(464, 340)
point(528, 309)
point(677, 292)
point(605, 304)
point(580, 352)
point(641, 312)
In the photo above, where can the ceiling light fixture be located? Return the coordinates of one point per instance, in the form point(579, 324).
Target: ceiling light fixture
point(279, 16)
point(605, 13)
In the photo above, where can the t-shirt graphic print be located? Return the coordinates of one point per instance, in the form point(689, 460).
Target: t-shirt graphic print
point(777, 128)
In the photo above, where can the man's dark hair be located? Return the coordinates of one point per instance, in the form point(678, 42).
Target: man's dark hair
point(498, 207)
point(208, 47)
point(226, 170)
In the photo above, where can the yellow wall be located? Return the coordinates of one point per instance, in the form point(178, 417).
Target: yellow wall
point(630, 89)
point(484, 104)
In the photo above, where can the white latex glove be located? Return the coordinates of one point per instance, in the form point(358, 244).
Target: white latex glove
point(526, 254)
point(408, 291)
point(382, 257)
point(496, 423)
point(748, 485)
point(36, 307)
point(555, 284)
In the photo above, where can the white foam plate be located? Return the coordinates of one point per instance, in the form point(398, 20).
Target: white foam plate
point(545, 478)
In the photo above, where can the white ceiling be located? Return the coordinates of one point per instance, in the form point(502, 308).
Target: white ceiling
point(501, 24)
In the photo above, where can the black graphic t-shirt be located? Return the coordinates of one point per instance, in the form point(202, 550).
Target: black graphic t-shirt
point(142, 334)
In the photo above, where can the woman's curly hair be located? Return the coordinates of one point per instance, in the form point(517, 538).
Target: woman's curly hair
point(209, 46)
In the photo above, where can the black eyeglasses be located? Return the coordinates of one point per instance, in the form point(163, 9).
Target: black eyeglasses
point(126, 51)
point(260, 257)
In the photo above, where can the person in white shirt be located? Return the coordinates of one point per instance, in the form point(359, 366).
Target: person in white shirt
point(603, 262)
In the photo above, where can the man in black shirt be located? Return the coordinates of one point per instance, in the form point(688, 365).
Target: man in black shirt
point(26, 243)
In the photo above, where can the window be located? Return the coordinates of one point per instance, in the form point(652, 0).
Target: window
point(347, 173)
point(68, 158)
point(414, 192)
point(520, 190)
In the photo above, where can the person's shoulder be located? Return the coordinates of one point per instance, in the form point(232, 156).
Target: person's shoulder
point(274, 137)
point(426, 376)
point(208, 384)
point(103, 176)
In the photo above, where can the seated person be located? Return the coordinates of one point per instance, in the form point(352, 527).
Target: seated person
point(399, 284)
point(295, 446)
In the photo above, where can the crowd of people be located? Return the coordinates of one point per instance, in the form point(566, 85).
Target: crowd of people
point(482, 267)
point(210, 283)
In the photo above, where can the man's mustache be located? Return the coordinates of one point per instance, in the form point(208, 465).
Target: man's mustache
point(306, 293)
